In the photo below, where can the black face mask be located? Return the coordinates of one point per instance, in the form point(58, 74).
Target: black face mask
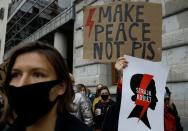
point(31, 102)
point(104, 97)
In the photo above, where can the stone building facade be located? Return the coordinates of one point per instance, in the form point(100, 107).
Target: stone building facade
point(67, 28)
point(174, 45)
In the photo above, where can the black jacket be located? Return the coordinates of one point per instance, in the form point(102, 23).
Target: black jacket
point(65, 122)
point(112, 116)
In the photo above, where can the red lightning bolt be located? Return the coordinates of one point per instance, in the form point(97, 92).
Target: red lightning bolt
point(143, 85)
point(90, 22)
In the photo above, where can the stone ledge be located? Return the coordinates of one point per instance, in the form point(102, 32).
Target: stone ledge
point(81, 5)
point(86, 64)
point(175, 38)
point(175, 22)
point(177, 56)
point(92, 80)
point(177, 5)
point(178, 73)
point(177, 60)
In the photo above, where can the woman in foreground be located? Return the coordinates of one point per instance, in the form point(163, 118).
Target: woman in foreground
point(39, 90)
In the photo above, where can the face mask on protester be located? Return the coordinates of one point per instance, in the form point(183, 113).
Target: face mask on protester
point(31, 102)
point(104, 97)
point(83, 93)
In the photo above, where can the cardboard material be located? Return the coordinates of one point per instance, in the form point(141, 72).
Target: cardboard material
point(115, 29)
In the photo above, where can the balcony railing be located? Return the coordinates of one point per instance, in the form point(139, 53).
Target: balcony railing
point(15, 6)
point(56, 22)
point(13, 40)
point(60, 14)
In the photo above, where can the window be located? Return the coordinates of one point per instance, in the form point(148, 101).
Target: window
point(114, 75)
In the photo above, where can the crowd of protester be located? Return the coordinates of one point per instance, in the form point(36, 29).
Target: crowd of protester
point(73, 105)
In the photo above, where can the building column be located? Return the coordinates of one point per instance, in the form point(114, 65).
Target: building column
point(3, 25)
point(60, 43)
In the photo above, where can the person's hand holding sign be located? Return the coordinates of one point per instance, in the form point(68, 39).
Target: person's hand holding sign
point(121, 63)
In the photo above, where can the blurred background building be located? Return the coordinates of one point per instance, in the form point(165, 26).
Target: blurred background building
point(60, 22)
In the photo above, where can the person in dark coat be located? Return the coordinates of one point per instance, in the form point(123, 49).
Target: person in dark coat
point(39, 91)
point(112, 116)
point(102, 107)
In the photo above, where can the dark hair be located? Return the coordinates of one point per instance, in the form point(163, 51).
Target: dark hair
point(135, 83)
point(98, 90)
point(136, 80)
point(99, 84)
point(104, 88)
point(80, 86)
point(167, 91)
point(57, 62)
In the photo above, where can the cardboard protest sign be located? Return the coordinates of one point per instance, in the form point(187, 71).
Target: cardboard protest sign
point(115, 29)
point(142, 104)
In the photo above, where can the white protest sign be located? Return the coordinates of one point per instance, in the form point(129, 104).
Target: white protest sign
point(142, 105)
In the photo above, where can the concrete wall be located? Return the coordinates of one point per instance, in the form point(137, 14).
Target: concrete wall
point(175, 52)
point(3, 22)
point(87, 72)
